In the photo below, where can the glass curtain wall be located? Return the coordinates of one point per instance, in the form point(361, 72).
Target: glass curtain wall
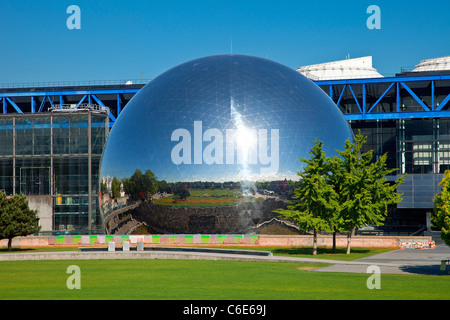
point(56, 154)
point(420, 146)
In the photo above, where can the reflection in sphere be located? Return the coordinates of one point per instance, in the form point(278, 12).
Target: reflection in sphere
point(213, 145)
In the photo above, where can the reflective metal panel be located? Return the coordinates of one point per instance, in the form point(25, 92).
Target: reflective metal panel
point(228, 130)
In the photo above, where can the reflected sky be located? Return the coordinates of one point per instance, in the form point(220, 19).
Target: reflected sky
point(223, 118)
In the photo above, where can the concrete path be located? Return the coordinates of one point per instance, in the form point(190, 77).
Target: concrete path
point(406, 261)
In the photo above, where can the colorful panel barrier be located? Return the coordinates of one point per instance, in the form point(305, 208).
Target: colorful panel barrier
point(154, 239)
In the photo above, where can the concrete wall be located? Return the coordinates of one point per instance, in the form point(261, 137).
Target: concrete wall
point(43, 205)
point(211, 240)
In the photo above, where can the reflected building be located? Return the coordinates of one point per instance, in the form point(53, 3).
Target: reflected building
point(220, 137)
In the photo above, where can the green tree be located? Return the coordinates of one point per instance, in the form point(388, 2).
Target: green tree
point(16, 218)
point(364, 192)
point(441, 211)
point(316, 200)
point(140, 185)
point(115, 188)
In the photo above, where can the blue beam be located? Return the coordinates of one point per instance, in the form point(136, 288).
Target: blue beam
point(119, 104)
point(414, 96)
point(356, 100)
point(382, 96)
point(33, 105)
point(443, 103)
point(14, 105)
point(81, 101)
point(364, 98)
point(66, 92)
point(41, 107)
point(101, 103)
point(340, 97)
point(432, 95)
point(51, 101)
point(381, 80)
point(398, 115)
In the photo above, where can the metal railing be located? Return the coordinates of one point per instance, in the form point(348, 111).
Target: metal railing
point(52, 84)
point(74, 108)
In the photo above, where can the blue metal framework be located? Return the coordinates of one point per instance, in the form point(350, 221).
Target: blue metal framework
point(81, 96)
point(404, 86)
point(366, 109)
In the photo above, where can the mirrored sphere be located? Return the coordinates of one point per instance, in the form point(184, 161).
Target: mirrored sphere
point(213, 145)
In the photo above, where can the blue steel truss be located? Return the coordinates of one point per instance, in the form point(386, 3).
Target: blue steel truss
point(366, 110)
point(83, 96)
point(336, 89)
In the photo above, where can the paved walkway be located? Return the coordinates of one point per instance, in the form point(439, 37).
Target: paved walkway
point(406, 261)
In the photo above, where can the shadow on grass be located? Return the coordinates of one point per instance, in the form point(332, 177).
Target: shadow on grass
point(328, 253)
point(43, 249)
point(16, 250)
point(425, 270)
point(323, 251)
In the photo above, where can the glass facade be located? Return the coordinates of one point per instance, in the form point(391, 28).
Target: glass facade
point(221, 138)
point(414, 146)
point(56, 154)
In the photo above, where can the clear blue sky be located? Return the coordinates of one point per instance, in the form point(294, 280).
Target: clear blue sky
point(134, 39)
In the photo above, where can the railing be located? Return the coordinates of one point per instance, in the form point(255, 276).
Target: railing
point(74, 108)
point(72, 83)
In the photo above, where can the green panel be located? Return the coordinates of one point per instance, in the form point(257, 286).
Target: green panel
point(156, 239)
point(221, 238)
point(238, 238)
point(59, 239)
point(188, 238)
point(124, 238)
point(205, 238)
point(253, 239)
point(92, 239)
point(76, 239)
point(109, 238)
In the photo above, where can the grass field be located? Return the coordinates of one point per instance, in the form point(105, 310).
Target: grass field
point(216, 280)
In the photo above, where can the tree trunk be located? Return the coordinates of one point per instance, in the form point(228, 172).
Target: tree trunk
point(9, 244)
point(314, 252)
point(334, 242)
point(349, 239)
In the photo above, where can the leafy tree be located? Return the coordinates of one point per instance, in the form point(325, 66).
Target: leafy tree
point(342, 193)
point(316, 199)
point(441, 211)
point(103, 187)
point(115, 188)
point(140, 185)
point(16, 218)
point(364, 192)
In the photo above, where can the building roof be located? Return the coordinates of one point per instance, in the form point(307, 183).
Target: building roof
point(434, 64)
point(356, 68)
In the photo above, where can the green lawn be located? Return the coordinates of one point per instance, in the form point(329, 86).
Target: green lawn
point(188, 279)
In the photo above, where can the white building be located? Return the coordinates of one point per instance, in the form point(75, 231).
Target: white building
point(434, 64)
point(357, 68)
